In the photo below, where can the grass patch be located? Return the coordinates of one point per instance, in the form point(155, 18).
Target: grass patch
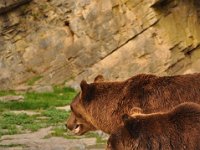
point(60, 131)
point(4, 93)
point(96, 135)
point(47, 115)
point(55, 116)
point(16, 123)
point(44, 103)
point(34, 101)
point(11, 123)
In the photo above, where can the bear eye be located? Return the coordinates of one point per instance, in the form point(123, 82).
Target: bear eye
point(78, 115)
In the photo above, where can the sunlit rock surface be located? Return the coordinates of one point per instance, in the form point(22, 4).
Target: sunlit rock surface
point(62, 42)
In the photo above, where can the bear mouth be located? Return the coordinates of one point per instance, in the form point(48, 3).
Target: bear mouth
point(77, 129)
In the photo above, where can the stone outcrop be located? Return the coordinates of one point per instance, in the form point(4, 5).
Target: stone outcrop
point(11, 98)
point(65, 41)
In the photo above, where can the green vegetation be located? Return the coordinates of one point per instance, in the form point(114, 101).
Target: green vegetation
point(42, 103)
point(55, 116)
point(45, 114)
point(98, 137)
point(34, 101)
point(11, 123)
point(4, 93)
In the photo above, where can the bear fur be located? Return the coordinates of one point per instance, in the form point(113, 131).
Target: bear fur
point(177, 129)
point(100, 105)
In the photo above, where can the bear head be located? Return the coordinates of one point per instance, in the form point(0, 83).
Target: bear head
point(79, 121)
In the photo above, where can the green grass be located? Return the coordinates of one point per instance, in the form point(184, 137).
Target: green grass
point(14, 123)
point(43, 103)
point(34, 101)
point(11, 123)
point(48, 116)
point(55, 116)
point(4, 93)
point(94, 134)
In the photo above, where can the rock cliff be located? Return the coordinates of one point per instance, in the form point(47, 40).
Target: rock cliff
point(45, 42)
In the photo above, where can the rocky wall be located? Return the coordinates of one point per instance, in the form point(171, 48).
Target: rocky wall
point(59, 41)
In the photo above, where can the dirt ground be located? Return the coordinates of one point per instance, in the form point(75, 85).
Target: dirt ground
point(38, 141)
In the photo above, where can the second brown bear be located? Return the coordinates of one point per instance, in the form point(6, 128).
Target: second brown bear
point(177, 129)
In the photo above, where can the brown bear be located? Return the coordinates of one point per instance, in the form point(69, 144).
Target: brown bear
point(100, 105)
point(177, 129)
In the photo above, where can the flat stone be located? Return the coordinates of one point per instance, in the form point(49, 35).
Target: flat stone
point(42, 89)
point(66, 108)
point(22, 88)
point(30, 113)
point(11, 98)
point(36, 140)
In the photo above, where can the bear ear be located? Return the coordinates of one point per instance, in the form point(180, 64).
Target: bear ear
point(83, 85)
point(125, 118)
point(132, 124)
point(136, 110)
point(87, 92)
point(99, 78)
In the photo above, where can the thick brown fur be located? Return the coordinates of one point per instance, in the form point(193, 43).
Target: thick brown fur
point(174, 130)
point(101, 104)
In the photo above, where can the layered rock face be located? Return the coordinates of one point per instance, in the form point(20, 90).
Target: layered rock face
point(59, 41)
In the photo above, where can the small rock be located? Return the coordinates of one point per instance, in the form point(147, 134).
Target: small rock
point(22, 88)
point(30, 113)
point(11, 98)
point(66, 108)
